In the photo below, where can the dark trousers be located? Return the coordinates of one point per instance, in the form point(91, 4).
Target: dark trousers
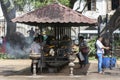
point(84, 62)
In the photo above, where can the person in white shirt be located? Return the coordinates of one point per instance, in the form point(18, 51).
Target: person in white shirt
point(1, 41)
point(36, 48)
point(100, 51)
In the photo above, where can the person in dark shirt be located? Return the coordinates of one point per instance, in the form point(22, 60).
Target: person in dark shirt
point(31, 33)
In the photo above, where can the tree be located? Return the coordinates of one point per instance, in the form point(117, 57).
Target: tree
point(112, 25)
point(41, 3)
point(9, 13)
point(9, 8)
point(114, 22)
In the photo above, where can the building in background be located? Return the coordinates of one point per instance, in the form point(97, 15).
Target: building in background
point(93, 10)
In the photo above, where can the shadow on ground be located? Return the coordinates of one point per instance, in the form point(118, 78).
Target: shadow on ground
point(10, 71)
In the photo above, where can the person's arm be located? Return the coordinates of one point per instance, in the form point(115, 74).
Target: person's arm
point(104, 47)
point(101, 45)
point(28, 31)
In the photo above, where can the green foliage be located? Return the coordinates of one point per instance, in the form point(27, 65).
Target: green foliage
point(65, 2)
point(42, 3)
point(3, 56)
point(8, 56)
point(20, 4)
point(38, 3)
point(5, 1)
point(8, 4)
point(91, 44)
point(117, 42)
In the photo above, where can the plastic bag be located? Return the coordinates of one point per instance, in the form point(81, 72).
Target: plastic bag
point(81, 56)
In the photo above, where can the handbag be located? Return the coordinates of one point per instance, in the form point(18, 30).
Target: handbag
point(85, 50)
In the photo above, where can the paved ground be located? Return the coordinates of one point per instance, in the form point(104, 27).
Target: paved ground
point(20, 70)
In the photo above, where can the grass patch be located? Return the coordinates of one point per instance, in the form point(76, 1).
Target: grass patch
point(3, 56)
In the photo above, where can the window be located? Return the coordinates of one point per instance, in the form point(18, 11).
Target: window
point(91, 5)
point(115, 4)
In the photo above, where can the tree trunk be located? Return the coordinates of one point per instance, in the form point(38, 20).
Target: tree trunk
point(111, 26)
point(114, 22)
point(9, 13)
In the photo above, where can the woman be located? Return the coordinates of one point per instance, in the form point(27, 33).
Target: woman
point(84, 50)
point(100, 51)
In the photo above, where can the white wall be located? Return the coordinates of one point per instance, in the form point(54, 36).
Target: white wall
point(101, 6)
point(1, 13)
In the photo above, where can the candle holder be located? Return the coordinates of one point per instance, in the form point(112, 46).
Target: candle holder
point(35, 58)
point(72, 57)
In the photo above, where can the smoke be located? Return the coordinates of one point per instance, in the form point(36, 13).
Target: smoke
point(18, 46)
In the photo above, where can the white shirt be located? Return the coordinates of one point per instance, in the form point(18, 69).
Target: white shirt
point(99, 46)
point(1, 40)
point(35, 47)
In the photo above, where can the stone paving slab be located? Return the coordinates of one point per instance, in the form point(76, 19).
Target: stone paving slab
point(20, 70)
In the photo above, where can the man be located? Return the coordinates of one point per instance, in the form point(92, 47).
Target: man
point(100, 51)
point(31, 33)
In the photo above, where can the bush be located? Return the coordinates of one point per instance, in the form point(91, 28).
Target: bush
point(3, 56)
point(91, 44)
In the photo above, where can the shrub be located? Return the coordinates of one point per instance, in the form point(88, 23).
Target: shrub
point(3, 56)
point(91, 44)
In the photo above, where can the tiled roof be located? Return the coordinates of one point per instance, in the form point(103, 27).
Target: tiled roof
point(54, 13)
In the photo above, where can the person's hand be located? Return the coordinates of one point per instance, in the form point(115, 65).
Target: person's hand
point(107, 48)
